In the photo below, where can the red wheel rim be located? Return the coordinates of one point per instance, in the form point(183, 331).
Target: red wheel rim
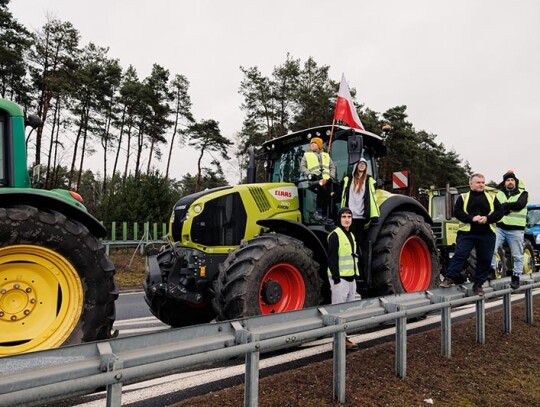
point(293, 291)
point(415, 265)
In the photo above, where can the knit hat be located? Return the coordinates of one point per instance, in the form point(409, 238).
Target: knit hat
point(509, 174)
point(318, 141)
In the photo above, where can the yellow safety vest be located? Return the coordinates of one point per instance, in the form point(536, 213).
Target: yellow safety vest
point(374, 211)
point(466, 227)
point(315, 167)
point(518, 218)
point(346, 262)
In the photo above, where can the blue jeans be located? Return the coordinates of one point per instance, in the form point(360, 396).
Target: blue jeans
point(465, 242)
point(514, 239)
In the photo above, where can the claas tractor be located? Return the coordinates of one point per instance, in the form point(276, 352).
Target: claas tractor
point(441, 203)
point(254, 249)
point(56, 282)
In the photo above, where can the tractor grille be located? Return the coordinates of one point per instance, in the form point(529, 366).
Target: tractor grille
point(260, 199)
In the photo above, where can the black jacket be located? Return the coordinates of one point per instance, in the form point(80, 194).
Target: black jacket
point(478, 205)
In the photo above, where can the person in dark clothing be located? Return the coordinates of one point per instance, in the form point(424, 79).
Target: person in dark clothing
point(477, 212)
point(343, 262)
point(511, 228)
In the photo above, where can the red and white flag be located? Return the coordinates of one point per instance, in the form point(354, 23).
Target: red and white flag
point(345, 110)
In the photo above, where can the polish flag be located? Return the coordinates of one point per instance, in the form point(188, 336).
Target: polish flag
point(345, 110)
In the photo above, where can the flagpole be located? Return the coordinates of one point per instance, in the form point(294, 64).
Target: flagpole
point(331, 135)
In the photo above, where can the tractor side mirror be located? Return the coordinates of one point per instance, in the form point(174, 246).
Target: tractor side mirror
point(33, 121)
point(355, 146)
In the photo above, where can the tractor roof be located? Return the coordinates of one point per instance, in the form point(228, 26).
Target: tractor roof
point(303, 136)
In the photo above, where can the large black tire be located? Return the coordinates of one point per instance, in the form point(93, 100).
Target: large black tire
point(405, 256)
point(56, 282)
point(179, 313)
point(267, 274)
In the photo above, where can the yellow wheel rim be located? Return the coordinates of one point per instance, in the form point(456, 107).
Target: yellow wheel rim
point(499, 267)
point(528, 261)
point(41, 299)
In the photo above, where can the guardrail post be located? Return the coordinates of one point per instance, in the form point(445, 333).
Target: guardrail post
point(446, 331)
point(507, 313)
point(481, 320)
point(339, 359)
point(251, 385)
point(110, 363)
point(124, 231)
point(401, 346)
point(529, 315)
point(113, 230)
point(340, 363)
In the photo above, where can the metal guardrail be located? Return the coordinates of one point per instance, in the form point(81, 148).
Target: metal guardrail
point(35, 378)
point(138, 244)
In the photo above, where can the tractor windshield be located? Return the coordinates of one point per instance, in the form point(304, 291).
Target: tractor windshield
point(533, 217)
point(287, 164)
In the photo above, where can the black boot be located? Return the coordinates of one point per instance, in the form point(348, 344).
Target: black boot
point(515, 282)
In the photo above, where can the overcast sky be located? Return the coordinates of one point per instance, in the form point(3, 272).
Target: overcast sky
point(468, 71)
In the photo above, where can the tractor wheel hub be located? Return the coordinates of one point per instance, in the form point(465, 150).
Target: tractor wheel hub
point(271, 292)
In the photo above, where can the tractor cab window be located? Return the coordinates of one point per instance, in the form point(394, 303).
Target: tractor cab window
point(287, 164)
point(221, 223)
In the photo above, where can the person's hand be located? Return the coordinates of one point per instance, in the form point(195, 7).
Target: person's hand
point(337, 280)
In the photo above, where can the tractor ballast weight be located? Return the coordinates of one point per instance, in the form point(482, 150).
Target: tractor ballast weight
point(254, 248)
point(56, 282)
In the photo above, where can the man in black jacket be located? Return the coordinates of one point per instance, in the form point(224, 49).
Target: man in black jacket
point(343, 262)
point(477, 212)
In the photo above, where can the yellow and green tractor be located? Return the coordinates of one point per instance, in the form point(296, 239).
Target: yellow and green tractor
point(256, 249)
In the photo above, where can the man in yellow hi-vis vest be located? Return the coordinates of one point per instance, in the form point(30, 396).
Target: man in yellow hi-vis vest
point(477, 212)
point(511, 228)
point(316, 165)
point(343, 262)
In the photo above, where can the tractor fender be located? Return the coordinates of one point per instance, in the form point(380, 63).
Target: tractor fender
point(301, 232)
point(397, 203)
point(42, 200)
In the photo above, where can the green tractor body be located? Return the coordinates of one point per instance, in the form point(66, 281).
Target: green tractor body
point(255, 249)
point(56, 282)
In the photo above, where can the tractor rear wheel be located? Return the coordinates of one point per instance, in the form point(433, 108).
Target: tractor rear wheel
point(56, 282)
point(405, 256)
point(268, 274)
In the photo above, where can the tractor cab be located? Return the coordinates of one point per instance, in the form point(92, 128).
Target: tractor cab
point(282, 157)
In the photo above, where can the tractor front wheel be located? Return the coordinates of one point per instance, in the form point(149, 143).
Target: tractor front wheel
point(269, 274)
point(56, 282)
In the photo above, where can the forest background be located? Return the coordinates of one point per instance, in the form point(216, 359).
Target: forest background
point(89, 101)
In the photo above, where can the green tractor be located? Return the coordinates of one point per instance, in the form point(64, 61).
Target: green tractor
point(56, 282)
point(441, 203)
point(254, 249)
